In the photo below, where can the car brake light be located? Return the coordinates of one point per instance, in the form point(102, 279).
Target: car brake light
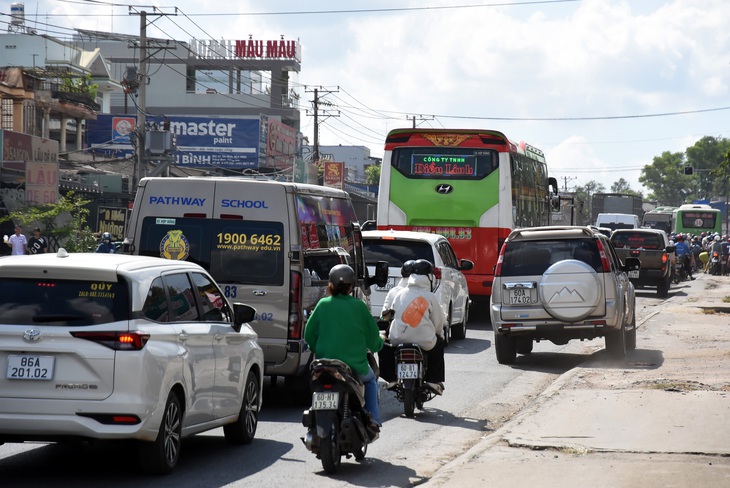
point(118, 341)
point(604, 257)
point(295, 301)
point(437, 273)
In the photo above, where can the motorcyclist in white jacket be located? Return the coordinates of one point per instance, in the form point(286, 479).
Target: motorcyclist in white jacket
point(420, 319)
point(405, 272)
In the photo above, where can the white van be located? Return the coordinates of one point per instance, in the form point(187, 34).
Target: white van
point(618, 221)
point(268, 244)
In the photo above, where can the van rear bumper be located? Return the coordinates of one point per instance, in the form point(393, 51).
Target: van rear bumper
point(295, 363)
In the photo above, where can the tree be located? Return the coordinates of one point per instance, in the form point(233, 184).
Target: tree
point(622, 186)
point(372, 174)
point(666, 180)
point(583, 195)
point(704, 156)
point(64, 223)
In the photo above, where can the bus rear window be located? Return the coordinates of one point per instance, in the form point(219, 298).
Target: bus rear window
point(445, 162)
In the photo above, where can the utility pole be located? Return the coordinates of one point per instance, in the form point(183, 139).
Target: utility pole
point(140, 165)
point(316, 103)
point(421, 118)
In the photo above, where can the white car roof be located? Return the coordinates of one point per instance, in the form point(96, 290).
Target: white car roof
point(404, 234)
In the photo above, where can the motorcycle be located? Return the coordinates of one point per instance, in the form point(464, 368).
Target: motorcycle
point(680, 274)
point(410, 388)
point(715, 268)
point(336, 421)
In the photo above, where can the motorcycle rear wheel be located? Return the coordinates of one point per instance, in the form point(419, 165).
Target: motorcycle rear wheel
point(329, 450)
point(409, 402)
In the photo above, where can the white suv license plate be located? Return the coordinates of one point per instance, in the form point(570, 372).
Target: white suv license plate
point(325, 401)
point(407, 371)
point(30, 367)
point(518, 296)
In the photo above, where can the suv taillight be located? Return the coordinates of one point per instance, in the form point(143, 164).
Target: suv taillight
point(604, 257)
point(295, 303)
point(119, 341)
point(437, 273)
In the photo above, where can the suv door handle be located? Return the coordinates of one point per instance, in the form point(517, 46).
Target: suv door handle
point(259, 293)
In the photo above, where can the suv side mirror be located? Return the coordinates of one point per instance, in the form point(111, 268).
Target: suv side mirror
point(670, 249)
point(465, 265)
point(381, 275)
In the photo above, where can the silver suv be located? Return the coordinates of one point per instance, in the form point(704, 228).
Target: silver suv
point(559, 284)
point(115, 347)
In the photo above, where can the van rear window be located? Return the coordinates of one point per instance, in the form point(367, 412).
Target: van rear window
point(233, 251)
point(62, 303)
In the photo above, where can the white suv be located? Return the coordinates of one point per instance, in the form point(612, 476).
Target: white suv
point(111, 347)
point(559, 284)
point(397, 247)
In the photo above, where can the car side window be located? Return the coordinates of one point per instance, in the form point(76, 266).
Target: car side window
point(182, 298)
point(448, 255)
point(213, 306)
point(155, 305)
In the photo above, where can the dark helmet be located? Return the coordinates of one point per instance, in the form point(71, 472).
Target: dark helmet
point(422, 267)
point(342, 273)
point(407, 268)
point(106, 237)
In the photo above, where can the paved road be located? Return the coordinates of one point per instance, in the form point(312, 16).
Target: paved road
point(480, 396)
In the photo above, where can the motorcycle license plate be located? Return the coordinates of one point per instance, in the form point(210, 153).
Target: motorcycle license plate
point(634, 274)
point(407, 371)
point(325, 401)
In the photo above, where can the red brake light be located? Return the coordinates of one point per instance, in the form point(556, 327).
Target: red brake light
point(118, 341)
point(604, 257)
point(295, 301)
point(437, 273)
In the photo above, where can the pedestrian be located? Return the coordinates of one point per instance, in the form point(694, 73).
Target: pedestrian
point(37, 244)
point(17, 241)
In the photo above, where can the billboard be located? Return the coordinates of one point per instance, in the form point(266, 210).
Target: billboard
point(225, 142)
point(32, 161)
point(334, 174)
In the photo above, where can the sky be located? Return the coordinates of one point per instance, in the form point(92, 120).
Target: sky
point(600, 86)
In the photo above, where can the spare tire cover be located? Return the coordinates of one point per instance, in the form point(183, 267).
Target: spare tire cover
point(570, 290)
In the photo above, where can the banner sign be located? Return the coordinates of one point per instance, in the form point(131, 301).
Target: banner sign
point(114, 221)
point(334, 174)
point(38, 158)
point(225, 142)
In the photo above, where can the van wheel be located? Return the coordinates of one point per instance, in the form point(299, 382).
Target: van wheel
point(459, 331)
point(161, 455)
point(662, 289)
point(447, 328)
point(505, 348)
point(243, 430)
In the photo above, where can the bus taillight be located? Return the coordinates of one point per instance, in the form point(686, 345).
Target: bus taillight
point(295, 301)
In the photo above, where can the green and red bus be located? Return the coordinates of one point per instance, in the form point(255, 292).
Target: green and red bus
point(472, 186)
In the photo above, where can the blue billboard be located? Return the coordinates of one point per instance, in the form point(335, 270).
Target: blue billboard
point(225, 142)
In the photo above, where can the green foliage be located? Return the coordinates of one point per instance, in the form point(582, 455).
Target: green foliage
point(81, 85)
point(623, 186)
point(583, 198)
point(666, 180)
point(372, 174)
point(63, 223)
